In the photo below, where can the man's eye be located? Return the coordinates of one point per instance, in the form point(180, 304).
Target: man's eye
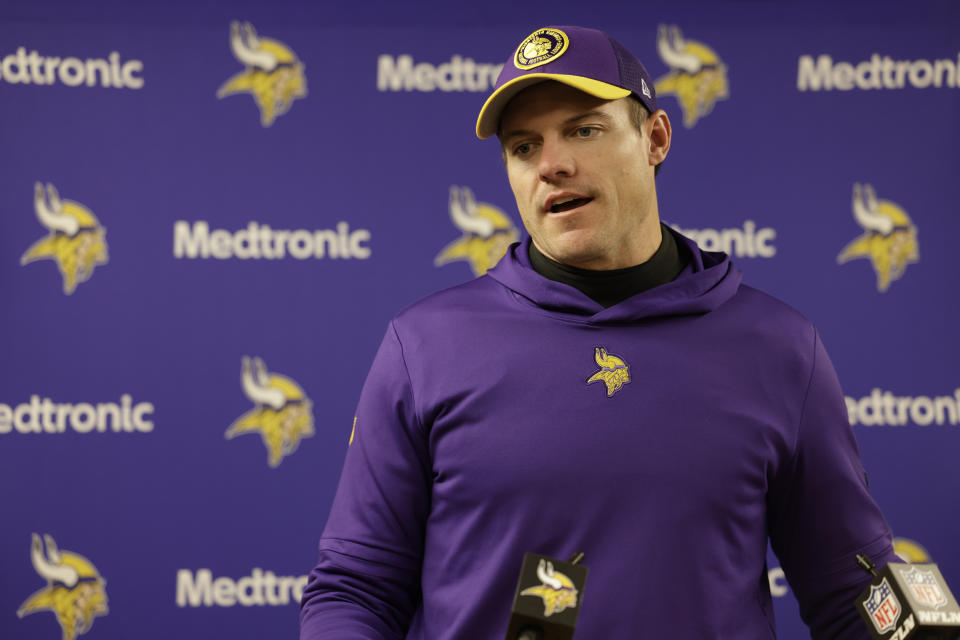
point(522, 149)
point(585, 132)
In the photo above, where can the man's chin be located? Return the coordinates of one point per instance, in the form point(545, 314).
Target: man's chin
point(578, 255)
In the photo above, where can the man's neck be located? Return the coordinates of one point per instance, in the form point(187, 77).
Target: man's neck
point(611, 287)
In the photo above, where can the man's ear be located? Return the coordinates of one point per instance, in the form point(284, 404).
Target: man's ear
point(659, 136)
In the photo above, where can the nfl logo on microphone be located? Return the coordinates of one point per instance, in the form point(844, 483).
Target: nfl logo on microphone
point(883, 607)
point(925, 587)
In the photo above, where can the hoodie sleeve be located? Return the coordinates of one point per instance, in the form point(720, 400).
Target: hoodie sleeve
point(366, 581)
point(821, 514)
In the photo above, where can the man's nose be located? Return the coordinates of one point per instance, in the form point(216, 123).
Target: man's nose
point(556, 160)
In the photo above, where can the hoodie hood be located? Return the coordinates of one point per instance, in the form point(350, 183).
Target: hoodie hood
point(706, 283)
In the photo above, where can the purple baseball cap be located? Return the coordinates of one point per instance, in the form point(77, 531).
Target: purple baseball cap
point(586, 59)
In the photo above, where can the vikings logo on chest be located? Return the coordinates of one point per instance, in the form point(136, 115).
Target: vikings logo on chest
point(614, 372)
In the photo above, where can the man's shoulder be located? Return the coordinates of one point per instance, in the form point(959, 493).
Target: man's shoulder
point(466, 298)
point(772, 325)
point(768, 308)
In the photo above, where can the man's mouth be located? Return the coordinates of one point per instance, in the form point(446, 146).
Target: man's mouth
point(566, 204)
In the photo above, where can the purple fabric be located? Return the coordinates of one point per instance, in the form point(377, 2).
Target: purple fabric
point(478, 438)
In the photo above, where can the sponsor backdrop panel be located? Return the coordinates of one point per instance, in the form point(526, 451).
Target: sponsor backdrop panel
point(210, 213)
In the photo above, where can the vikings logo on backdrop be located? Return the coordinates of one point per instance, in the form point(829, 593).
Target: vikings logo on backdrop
point(614, 372)
point(910, 550)
point(282, 415)
point(889, 238)
point(273, 74)
point(557, 590)
point(487, 232)
point(697, 77)
point(76, 241)
point(75, 591)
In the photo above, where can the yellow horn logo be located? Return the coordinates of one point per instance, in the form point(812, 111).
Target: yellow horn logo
point(76, 241)
point(556, 589)
point(75, 591)
point(614, 372)
point(273, 74)
point(910, 550)
point(487, 232)
point(697, 77)
point(282, 415)
point(889, 239)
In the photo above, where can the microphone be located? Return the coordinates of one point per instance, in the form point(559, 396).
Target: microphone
point(908, 601)
point(547, 601)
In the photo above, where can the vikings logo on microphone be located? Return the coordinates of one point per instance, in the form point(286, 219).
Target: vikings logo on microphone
point(487, 232)
point(614, 372)
point(75, 591)
point(697, 77)
point(273, 73)
point(76, 241)
point(282, 415)
point(889, 238)
point(557, 590)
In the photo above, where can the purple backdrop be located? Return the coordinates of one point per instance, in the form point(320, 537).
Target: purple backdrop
point(154, 235)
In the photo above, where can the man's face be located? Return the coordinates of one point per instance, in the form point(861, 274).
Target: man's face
point(582, 175)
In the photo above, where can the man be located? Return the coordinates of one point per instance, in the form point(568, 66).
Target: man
point(606, 388)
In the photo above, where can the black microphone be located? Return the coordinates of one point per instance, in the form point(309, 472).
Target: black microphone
point(908, 601)
point(548, 597)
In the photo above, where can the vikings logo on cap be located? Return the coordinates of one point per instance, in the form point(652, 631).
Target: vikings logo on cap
point(76, 241)
point(540, 47)
point(614, 372)
point(557, 590)
point(487, 232)
point(889, 238)
point(282, 415)
point(697, 76)
point(75, 591)
point(273, 74)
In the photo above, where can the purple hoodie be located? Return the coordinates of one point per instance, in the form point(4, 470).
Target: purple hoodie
point(668, 437)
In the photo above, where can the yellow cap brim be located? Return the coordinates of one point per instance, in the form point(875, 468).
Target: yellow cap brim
point(488, 122)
